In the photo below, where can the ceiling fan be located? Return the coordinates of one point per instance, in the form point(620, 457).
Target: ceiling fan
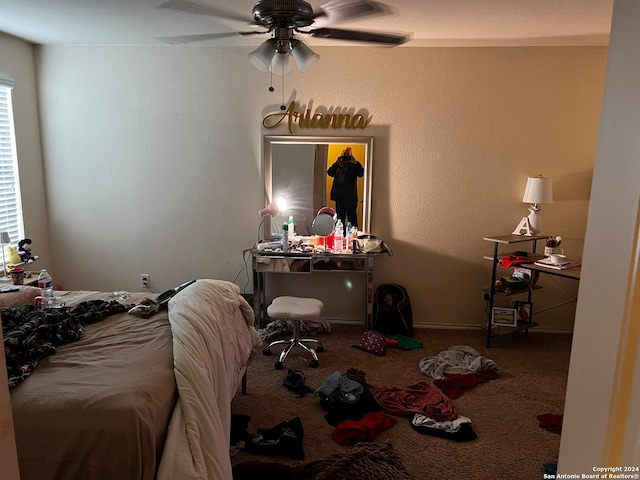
point(282, 19)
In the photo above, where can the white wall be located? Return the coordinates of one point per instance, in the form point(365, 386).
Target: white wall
point(153, 156)
point(602, 419)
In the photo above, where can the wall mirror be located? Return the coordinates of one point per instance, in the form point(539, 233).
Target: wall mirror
point(295, 169)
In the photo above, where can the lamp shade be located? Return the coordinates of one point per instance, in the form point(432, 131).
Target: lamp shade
point(270, 210)
point(280, 64)
point(262, 56)
point(304, 56)
point(538, 190)
point(4, 238)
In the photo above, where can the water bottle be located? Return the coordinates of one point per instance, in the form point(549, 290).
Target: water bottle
point(285, 237)
point(292, 231)
point(349, 236)
point(338, 238)
point(45, 283)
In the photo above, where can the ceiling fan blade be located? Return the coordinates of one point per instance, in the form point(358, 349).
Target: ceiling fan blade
point(358, 36)
point(194, 7)
point(198, 38)
point(337, 11)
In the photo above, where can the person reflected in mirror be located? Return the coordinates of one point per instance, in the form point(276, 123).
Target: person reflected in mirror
point(344, 192)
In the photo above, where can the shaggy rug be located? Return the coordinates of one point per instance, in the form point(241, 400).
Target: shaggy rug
point(364, 461)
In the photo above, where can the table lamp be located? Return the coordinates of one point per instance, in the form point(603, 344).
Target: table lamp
point(4, 238)
point(538, 190)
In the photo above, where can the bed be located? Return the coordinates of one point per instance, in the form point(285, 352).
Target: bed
point(139, 398)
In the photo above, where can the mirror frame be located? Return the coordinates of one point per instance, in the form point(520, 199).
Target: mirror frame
point(267, 152)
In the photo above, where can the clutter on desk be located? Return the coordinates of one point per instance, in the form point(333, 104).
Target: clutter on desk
point(331, 236)
point(513, 284)
point(512, 260)
point(373, 244)
point(328, 244)
point(361, 244)
point(554, 242)
point(527, 275)
point(549, 263)
point(552, 246)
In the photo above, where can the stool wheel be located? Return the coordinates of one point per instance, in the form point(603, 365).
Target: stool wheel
point(266, 352)
point(313, 364)
point(279, 366)
point(320, 349)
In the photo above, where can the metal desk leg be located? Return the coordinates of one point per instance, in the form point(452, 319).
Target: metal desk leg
point(369, 294)
point(258, 298)
point(492, 292)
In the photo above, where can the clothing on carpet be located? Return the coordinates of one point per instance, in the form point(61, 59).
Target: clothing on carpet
point(337, 393)
point(404, 342)
point(459, 429)
point(454, 385)
point(365, 430)
point(458, 359)
point(283, 439)
point(551, 422)
point(419, 397)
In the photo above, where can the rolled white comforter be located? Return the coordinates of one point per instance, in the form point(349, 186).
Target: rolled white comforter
point(213, 336)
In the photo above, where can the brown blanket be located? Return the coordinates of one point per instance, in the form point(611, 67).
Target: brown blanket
point(106, 397)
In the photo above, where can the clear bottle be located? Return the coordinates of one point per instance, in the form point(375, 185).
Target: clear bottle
point(45, 283)
point(349, 236)
point(292, 230)
point(338, 237)
point(285, 237)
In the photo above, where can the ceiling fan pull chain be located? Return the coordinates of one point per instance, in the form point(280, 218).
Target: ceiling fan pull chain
point(282, 107)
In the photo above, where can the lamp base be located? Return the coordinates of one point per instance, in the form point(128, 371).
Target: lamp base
point(525, 225)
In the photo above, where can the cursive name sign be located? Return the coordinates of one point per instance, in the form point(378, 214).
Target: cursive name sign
point(305, 118)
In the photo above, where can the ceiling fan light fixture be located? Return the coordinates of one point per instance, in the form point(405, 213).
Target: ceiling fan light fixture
point(304, 56)
point(263, 56)
point(280, 64)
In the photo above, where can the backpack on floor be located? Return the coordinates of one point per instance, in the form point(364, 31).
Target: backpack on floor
point(392, 310)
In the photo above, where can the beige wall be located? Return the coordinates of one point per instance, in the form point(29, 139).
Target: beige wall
point(153, 159)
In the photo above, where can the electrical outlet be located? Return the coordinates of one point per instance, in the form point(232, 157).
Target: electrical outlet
point(145, 280)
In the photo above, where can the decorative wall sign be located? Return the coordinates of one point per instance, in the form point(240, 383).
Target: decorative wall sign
point(334, 118)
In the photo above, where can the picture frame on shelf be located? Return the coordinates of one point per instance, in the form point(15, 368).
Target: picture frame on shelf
point(504, 317)
point(524, 311)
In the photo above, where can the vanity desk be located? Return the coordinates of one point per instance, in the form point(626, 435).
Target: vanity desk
point(265, 263)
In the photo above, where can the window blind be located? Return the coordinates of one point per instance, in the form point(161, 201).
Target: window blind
point(10, 204)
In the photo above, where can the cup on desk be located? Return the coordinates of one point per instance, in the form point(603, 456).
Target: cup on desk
point(548, 251)
point(17, 275)
point(558, 259)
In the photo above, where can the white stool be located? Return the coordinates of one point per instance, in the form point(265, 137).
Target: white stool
point(295, 309)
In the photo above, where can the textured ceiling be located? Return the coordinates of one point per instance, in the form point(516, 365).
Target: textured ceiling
point(430, 22)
